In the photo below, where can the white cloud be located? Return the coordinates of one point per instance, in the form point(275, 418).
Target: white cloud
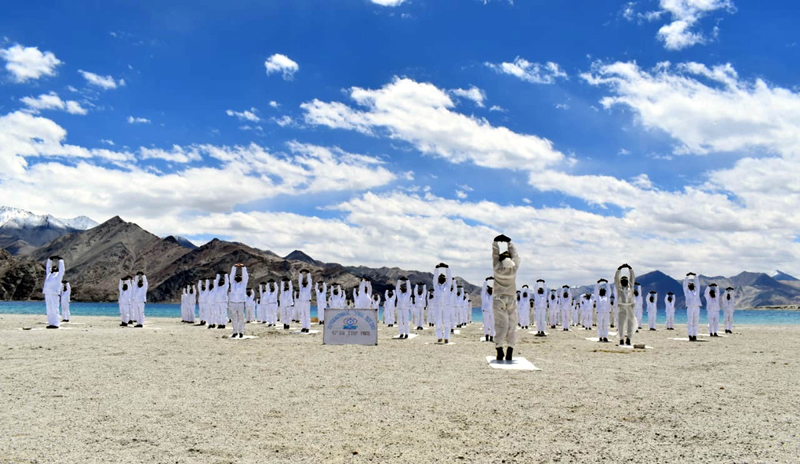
point(497, 108)
point(283, 121)
point(26, 63)
point(178, 154)
point(282, 64)
point(685, 15)
point(535, 73)
point(628, 11)
point(51, 101)
point(137, 120)
point(562, 106)
point(274, 104)
point(460, 194)
point(422, 115)
point(390, 3)
point(623, 152)
point(107, 142)
point(246, 115)
point(705, 109)
point(104, 82)
point(473, 93)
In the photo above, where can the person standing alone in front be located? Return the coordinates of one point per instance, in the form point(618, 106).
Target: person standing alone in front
point(504, 294)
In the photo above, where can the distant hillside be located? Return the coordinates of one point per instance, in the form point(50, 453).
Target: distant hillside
point(98, 257)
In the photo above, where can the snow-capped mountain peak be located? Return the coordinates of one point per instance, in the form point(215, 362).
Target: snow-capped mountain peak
point(780, 275)
point(21, 219)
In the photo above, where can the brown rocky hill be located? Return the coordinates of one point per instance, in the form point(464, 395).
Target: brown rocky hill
point(20, 279)
point(98, 257)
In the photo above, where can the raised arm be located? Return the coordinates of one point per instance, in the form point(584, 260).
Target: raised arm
point(232, 274)
point(144, 279)
point(48, 266)
point(514, 255)
point(61, 267)
point(120, 286)
point(686, 285)
point(495, 254)
point(245, 276)
point(617, 276)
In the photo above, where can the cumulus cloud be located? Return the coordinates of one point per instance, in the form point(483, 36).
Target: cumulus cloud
point(246, 115)
point(389, 3)
point(137, 120)
point(279, 63)
point(26, 63)
point(473, 93)
point(685, 15)
point(104, 82)
point(535, 73)
point(423, 115)
point(705, 109)
point(51, 101)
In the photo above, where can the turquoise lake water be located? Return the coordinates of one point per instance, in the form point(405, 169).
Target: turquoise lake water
point(173, 310)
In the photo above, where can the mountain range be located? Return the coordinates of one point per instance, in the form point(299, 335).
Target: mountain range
point(22, 231)
point(98, 256)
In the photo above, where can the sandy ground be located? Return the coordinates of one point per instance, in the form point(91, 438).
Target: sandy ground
point(173, 393)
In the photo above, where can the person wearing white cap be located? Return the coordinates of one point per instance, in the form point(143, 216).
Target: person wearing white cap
point(669, 302)
point(52, 289)
point(286, 302)
point(565, 302)
point(237, 300)
point(404, 294)
point(652, 309)
point(712, 309)
point(691, 292)
point(602, 299)
point(420, 303)
point(540, 307)
point(626, 300)
point(303, 302)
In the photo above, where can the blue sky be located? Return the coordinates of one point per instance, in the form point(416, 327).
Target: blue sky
point(387, 132)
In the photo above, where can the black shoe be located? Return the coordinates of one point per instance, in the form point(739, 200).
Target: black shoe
point(138, 326)
point(552, 327)
point(653, 330)
point(612, 325)
point(211, 326)
point(233, 336)
point(123, 324)
point(52, 327)
point(286, 326)
point(202, 322)
point(509, 352)
point(637, 331)
point(446, 341)
point(221, 326)
point(621, 342)
point(439, 341)
point(628, 341)
point(487, 338)
point(64, 320)
point(452, 331)
point(500, 354)
point(605, 339)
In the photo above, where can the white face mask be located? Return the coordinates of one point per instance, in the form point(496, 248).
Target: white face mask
point(508, 263)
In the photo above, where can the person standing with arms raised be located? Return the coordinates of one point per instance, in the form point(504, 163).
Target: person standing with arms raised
point(626, 301)
point(505, 265)
point(52, 289)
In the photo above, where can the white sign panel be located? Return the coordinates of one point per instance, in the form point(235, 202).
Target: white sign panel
point(350, 327)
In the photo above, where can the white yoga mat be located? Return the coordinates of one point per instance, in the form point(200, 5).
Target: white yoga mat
point(630, 347)
point(534, 333)
point(517, 364)
point(245, 337)
point(410, 336)
point(442, 344)
point(484, 340)
point(709, 335)
point(685, 339)
point(42, 328)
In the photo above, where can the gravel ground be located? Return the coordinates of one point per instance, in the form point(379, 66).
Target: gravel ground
point(174, 393)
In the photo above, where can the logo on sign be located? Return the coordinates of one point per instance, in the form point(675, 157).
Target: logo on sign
point(350, 323)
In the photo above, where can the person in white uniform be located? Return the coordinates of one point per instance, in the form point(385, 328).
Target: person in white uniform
point(52, 289)
point(389, 306)
point(362, 297)
point(691, 292)
point(338, 299)
point(487, 309)
point(565, 302)
point(652, 309)
point(669, 303)
point(420, 303)
point(221, 301)
point(728, 308)
point(553, 308)
point(139, 298)
point(587, 307)
point(442, 280)
point(625, 302)
point(638, 307)
point(540, 307)
point(237, 300)
point(321, 291)
point(505, 266)
point(202, 300)
point(250, 305)
point(712, 309)
point(602, 299)
point(270, 300)
point(404, 294)
point(525, 307)
point(304, 300)
point(191, 303)
point(125, 294)
point(66, 294)
point(286, 302)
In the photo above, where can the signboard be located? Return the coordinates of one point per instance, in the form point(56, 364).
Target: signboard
point(350, 327)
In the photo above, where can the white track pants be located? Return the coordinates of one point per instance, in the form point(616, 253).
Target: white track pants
point(639, 317)
point(728, 320)
point(237, 312)
point(627, 321)
point(651, 319)
point(565, 318)
point(125, 312)
point(51, 304)
point(441, 321)
point(305, 314)
point(250, 308)
point(505, 321)
point(388, 315)
point(553, 313)
point(713, 322)
point(402, 320)
point(419, 318)
point(692, 319)
point(190, 312)
point(65, 310)
point(488, 323)
point(670, 318)
point(286, 315)
point(272, 313)
point(221, 313)
point(587, 318)
point(137, 310)
point(603, 320)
